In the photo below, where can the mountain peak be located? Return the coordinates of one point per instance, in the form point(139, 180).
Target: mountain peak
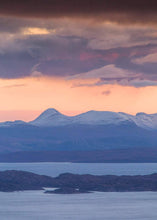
point(50, 111)
point(47, 115)
point(51, 117)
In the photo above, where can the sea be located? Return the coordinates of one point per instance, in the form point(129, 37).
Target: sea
point(35, 205)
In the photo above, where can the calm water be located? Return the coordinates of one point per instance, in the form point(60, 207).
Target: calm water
point(35, 205)
point(54, 169)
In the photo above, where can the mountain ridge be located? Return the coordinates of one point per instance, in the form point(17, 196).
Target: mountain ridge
point(52, 117)
point(91, 131)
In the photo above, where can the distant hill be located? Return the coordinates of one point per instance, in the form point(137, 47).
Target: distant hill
point(107, 132)
point(68, 183)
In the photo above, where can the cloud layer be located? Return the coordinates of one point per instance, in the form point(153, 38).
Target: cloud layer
point(119, 11)
point(80, 48)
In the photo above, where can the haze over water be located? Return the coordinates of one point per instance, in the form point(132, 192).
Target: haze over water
point(54, 169)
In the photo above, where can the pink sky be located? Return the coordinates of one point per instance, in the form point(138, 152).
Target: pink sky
point(25, 99)
point(77, 63)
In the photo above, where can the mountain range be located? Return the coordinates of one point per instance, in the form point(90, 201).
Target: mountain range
point(97, 136)
point(51, 117)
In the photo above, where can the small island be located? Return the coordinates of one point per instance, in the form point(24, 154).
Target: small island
point(66, 190)
point(68, 183)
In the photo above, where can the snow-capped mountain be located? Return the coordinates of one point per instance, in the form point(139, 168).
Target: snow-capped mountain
point(52, 117)
point(116, 133)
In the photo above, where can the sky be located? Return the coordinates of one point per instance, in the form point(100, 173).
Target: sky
point(77, 56)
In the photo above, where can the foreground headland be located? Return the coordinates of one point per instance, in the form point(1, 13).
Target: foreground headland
point(68, 183)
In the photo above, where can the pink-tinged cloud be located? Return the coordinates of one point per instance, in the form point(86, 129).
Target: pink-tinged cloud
point(150, 58)
point(112, 75)
point(110, 57)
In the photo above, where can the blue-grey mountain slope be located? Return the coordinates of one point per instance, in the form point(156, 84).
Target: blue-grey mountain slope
point(93, 131)
point(52, 117)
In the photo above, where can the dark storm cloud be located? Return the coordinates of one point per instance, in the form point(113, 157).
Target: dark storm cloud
point(16, 65)
point(73, 49)
point(71, 57)
point(51, 56)
point(131, 10)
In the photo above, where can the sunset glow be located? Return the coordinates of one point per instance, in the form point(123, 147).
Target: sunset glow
point(26, 98)
point(76, 59)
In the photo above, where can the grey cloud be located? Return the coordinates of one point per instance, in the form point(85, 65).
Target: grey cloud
point(68, 54)
point(113, 75)
point(16, 65)
point(150, 58)
point(137, 83)
point(124, 11)
point(15, 25)
point(100, 37)
point(50, 55)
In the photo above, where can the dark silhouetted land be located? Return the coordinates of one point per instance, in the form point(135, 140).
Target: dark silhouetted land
point(72, 183)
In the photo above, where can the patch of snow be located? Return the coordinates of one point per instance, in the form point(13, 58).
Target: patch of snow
point(51, 117)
